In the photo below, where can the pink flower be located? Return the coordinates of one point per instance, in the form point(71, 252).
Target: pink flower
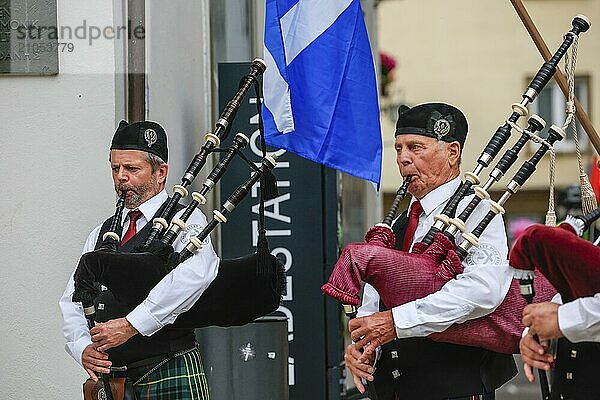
point(388, 62)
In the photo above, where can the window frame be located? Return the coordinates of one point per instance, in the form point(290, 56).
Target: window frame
point(558, 113)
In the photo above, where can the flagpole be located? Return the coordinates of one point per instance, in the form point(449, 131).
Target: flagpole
point(559, 76)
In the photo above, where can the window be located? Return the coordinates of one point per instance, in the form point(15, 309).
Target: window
point(550, 105)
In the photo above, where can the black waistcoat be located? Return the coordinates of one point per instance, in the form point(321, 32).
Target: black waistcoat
point(420, 368)
point(139, 347)
point(577, 371)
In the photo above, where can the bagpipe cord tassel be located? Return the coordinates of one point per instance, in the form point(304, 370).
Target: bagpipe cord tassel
point(588, 198)
point(268, 191)
point(551, 215)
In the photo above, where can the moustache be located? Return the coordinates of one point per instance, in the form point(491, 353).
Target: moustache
point(120, 189)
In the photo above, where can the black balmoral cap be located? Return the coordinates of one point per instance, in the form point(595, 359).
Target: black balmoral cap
point(144, 136)
point(437, 120)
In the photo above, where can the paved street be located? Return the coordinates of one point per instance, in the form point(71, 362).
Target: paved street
point(519, 387)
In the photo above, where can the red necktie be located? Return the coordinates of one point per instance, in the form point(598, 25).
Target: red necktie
point(134, 215)
point(413, 222)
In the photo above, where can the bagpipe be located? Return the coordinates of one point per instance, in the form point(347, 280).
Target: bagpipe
point(569, 262)
point(244, 289)
point(400, 277)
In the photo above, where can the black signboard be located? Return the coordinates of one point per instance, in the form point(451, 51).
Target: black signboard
point(301, 226)
point(28, 37)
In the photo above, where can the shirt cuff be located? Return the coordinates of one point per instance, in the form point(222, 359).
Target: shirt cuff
point(571, 322)
point(405, 317)
point(142, 320)
point(75, 349)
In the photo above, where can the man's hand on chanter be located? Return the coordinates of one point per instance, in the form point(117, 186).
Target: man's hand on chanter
point(359, 370)
point(372, 331)
point(534, 355)
point(113, 333)
point(94, 361)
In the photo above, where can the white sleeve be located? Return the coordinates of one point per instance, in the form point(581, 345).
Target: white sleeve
point(75, 328)
point(370, 301)
point(476, 292)
point(181, 287)
point(579, 320)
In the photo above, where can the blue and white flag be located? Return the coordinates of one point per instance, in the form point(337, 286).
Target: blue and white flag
point(320, 90)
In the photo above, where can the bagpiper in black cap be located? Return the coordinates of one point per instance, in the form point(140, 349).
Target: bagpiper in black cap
point(437, 120)
point(144, 136)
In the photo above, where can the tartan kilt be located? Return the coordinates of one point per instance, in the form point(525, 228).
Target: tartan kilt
point(181, 378)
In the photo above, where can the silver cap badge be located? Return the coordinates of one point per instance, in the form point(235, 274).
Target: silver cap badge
point(150, 136)
point(441, 128)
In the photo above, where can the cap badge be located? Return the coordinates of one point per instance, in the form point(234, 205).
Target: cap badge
point(150, 136)
point(441, 128)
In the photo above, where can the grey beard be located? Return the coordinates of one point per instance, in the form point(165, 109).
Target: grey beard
point(140, 193)
point(134, 201)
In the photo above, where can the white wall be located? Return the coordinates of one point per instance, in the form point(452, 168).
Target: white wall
point(56, 184)
point(55, 131)
point(178, 81)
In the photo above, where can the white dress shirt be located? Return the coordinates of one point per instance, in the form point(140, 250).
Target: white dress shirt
point(174, 294)
point(474, 293)
point(579, 320)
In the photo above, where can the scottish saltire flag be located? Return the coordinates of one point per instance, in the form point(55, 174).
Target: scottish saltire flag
point(320, 90)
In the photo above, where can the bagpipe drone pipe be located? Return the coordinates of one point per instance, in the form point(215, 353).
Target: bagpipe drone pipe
point(244, 288)
point(400, 277)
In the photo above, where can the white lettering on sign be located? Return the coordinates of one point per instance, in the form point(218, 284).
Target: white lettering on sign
point(275, 210)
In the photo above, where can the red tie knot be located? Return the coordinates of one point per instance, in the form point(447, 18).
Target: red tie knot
point(134, 215)
point(413, 221)
point(416, 209)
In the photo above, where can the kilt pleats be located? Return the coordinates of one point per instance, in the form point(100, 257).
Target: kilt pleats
point(181, 378)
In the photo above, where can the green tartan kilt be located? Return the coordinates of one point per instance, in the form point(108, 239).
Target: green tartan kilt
point(181, 378)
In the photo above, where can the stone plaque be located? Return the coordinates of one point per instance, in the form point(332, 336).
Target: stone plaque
point(28, 37)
